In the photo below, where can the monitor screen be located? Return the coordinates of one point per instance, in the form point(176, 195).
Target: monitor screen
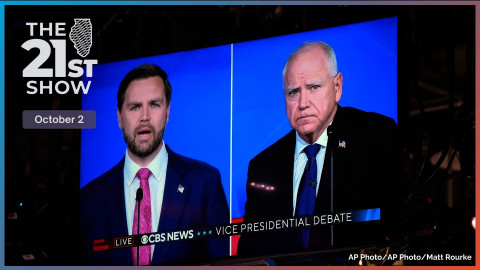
point(228, 102)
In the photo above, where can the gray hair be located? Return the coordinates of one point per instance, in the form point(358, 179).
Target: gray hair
point(306, 46)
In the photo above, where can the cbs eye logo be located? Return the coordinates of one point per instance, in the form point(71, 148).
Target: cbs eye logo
point(144, 239)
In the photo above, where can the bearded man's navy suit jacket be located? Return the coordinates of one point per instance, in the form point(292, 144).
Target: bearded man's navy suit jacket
point(202, 203)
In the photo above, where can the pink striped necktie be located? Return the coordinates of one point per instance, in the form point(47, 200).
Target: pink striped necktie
point(145, 218)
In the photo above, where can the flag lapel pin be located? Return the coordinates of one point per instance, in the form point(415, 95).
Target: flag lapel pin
point(342, 144)
point(180, 189)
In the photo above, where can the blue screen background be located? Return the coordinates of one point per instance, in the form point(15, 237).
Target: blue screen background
point(227, 101)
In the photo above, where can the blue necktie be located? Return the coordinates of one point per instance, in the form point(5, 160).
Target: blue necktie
point(308, 187)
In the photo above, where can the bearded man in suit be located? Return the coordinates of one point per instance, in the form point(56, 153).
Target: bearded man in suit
point(178, 192)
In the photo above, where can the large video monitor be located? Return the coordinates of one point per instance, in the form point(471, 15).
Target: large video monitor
point(228, 102)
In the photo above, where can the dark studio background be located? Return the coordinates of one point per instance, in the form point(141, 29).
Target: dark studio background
point(436, 94)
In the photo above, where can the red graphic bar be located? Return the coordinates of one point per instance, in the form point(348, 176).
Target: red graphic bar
point(99, 245)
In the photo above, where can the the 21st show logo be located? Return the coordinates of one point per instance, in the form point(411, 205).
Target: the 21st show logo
point(50, 39)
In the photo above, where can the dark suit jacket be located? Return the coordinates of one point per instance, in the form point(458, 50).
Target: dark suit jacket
point(366, 174)
point(203, 203)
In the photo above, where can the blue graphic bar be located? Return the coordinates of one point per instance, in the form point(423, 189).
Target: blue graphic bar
point(366, 215)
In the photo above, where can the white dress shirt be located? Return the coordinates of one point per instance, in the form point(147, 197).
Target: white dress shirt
point(131, 183)
point(301, 160)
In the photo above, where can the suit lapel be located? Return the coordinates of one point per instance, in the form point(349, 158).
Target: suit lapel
point(322, 202)
point(340, 145)
point(116, 217)
point(284, 175)
point(280, 172)
point(174, 197)
point(343, 148)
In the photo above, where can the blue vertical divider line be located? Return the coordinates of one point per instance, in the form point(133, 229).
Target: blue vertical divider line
point(231, 138)
point(2, 132)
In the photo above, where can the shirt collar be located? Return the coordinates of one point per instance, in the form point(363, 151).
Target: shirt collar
point(131, 168)
point(300, 144)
